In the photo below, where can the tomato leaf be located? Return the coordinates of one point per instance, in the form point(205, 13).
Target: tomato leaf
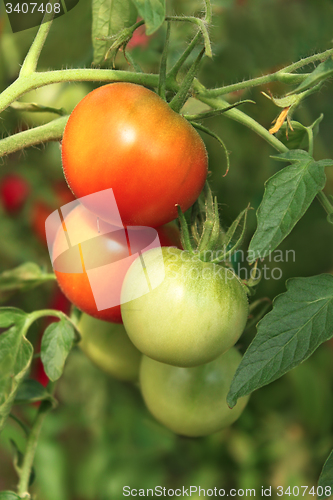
point(323, 71)
point(326, 477)
point(301, 319)
point(109, 17)
point(24, 277)
point(57, 341)
point(8, 495)
point(153, 13)
point(31, 391)
point(15, 358)
point(10, 315)
point(288, 195)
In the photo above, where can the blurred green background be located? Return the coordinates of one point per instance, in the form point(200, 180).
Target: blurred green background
point(101, 437)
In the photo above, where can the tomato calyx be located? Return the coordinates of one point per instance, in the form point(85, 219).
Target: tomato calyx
point(207, 239)
point(207, 235)
point(120, 41)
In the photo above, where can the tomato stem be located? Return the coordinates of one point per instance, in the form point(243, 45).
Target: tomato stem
point(216, 112)
point(184, 235)
point(227, 238)
point(203, 28)
point(198, 126)
point(325, 203)
point(177, 66)
point(253, 320)
point(49, 132)
point(30, 62)
point(284, 75)
point(180, 98)
point(29, 455)
point(163, 65)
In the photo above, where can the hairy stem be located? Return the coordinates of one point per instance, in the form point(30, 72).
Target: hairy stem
point(255, 82)
point(324, 201)
point(163, 65)
point(29, 455)
point(51, 131)
point(244, 119)
point(202, 26)
point(30, 63)
point(175, 69)
point(284, 75)
point(40, 79)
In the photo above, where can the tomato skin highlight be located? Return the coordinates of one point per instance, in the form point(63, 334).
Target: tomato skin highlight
point(107, 345)
point(101, 249)
point(191, 401)
point(125, 137)
point(197, 312)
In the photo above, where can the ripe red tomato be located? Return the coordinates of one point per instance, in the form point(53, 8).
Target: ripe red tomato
point(94, 269)
point(14, 191)
point(125, 137)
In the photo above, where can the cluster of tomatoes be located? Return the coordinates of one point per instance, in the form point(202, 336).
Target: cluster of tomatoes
point(164, 317)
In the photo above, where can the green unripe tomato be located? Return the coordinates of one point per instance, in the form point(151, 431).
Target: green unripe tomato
point(108, 346)
point(191, 401)
point(197, 312)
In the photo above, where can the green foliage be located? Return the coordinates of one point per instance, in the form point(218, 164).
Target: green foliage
point(15, 357)
point(23, 278)
point(301, 320)
point(288, 195)
point(153, 13)
point(326, 478)
point(9, 495)
point(109, 17)
point(296, 136)
point(31, 391)
point(323, 71)
point(56, 343)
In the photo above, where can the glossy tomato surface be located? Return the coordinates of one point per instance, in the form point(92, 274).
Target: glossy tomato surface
point(125, 137)
point(109, 348)
point(191, 401)
point(91, 270)
point(197, 312)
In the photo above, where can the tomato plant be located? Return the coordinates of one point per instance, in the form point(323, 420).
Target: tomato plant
point(108, 346)
point(107, 245)
point(235, 284)
point(123, 136)
point(191, 401)
point(198, 311)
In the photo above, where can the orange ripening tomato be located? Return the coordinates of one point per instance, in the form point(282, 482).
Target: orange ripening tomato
point(92, 270)
point(124, 137)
